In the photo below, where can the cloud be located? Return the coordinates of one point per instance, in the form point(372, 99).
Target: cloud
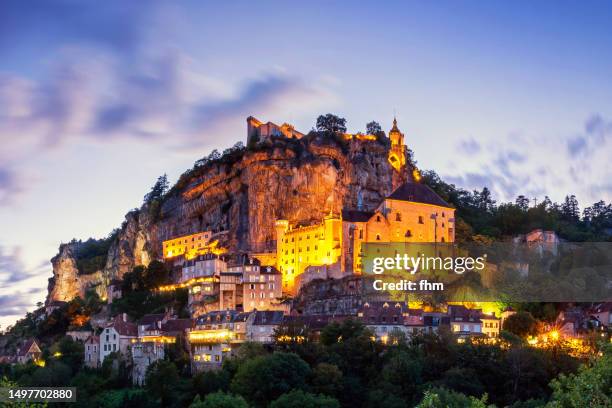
point(18, 303)
point(102, 97)
point(597, 131)
point(10, 186)
point(13, 271)
point(469, 146)
point(539, 165)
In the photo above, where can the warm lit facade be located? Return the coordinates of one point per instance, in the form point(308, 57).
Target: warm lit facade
point(397, 154)
point(298, 247)
point(259, 131)
point(188, 246)
point(202, 266)
point(412, 213)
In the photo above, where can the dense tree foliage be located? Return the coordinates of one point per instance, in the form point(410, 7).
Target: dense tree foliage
point(331, 123)
point(521, 323)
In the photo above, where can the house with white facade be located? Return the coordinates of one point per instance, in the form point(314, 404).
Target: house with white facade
point(117, 336)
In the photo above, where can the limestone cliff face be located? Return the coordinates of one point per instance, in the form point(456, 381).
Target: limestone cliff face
point(67, 283)
point(297, 180)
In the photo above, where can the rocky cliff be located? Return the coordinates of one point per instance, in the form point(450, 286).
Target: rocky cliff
point(67, 283)
point(240, 196)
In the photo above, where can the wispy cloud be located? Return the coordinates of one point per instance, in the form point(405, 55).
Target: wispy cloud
point(13, 271)
point(538, 165)
point(109, 83)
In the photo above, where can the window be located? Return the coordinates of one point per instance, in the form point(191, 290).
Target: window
point(360, 234)
point(378, 237)
point(420, 219)
point(378, 218)
point(398, 217)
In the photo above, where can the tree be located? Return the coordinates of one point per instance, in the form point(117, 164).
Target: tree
point(570, 210)
point(331, 123)
point(156, 275)
point(484, 200)
point(158, 190)
point(521, 323)
point(219, 400)
point(590, 387)
point(522, 202)
point(301, 399)
point(263, 379)
point(442, 398)
point(162, 379)
point(373, 128)
point(327, 379)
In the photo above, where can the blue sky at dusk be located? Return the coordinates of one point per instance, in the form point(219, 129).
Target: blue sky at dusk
point(97, 99)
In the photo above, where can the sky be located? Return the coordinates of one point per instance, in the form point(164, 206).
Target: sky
point(97, 99)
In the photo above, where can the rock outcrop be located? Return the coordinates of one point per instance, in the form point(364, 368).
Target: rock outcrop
point(240, 200)
point(67, 283)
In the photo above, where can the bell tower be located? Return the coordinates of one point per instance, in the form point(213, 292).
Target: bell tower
point(397, 153)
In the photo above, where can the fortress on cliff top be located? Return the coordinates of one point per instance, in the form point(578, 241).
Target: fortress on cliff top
point(331, 246)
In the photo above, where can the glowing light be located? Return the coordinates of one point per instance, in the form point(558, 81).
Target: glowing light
point(186, 284)
point(554, 335)
point(39, 362)
point(416, 175)
point(57, 354)
point(210, 336)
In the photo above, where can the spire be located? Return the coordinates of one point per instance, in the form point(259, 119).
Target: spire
point(395, 128)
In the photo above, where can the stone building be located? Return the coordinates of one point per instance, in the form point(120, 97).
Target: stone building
point(117, 336)
point(188, 246)
point(413, 213)
point(29, 351)
point(263, 326)
point(258, 131)
point(92, 351)
point(206, 265)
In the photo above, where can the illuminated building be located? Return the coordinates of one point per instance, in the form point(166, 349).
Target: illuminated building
point(188, 246)
point(29, 351)
point(259, 131)
point(413, 213)
point(251, 286)
point(202, 265)
point(467, 322)
point(298, 247)
point(397, 154)
point(212, 337)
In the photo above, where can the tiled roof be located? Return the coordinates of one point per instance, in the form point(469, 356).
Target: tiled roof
point(122, 327)
point(269, 270)
point(176, 326)
point(23, 350)
point(418, 193)
point(220, 316)
point(463, 314)
point(93, 339)
point(268, 317)
point(356, 215)
point(150, 319)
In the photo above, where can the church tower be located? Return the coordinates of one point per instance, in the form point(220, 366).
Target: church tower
point(397, 153)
